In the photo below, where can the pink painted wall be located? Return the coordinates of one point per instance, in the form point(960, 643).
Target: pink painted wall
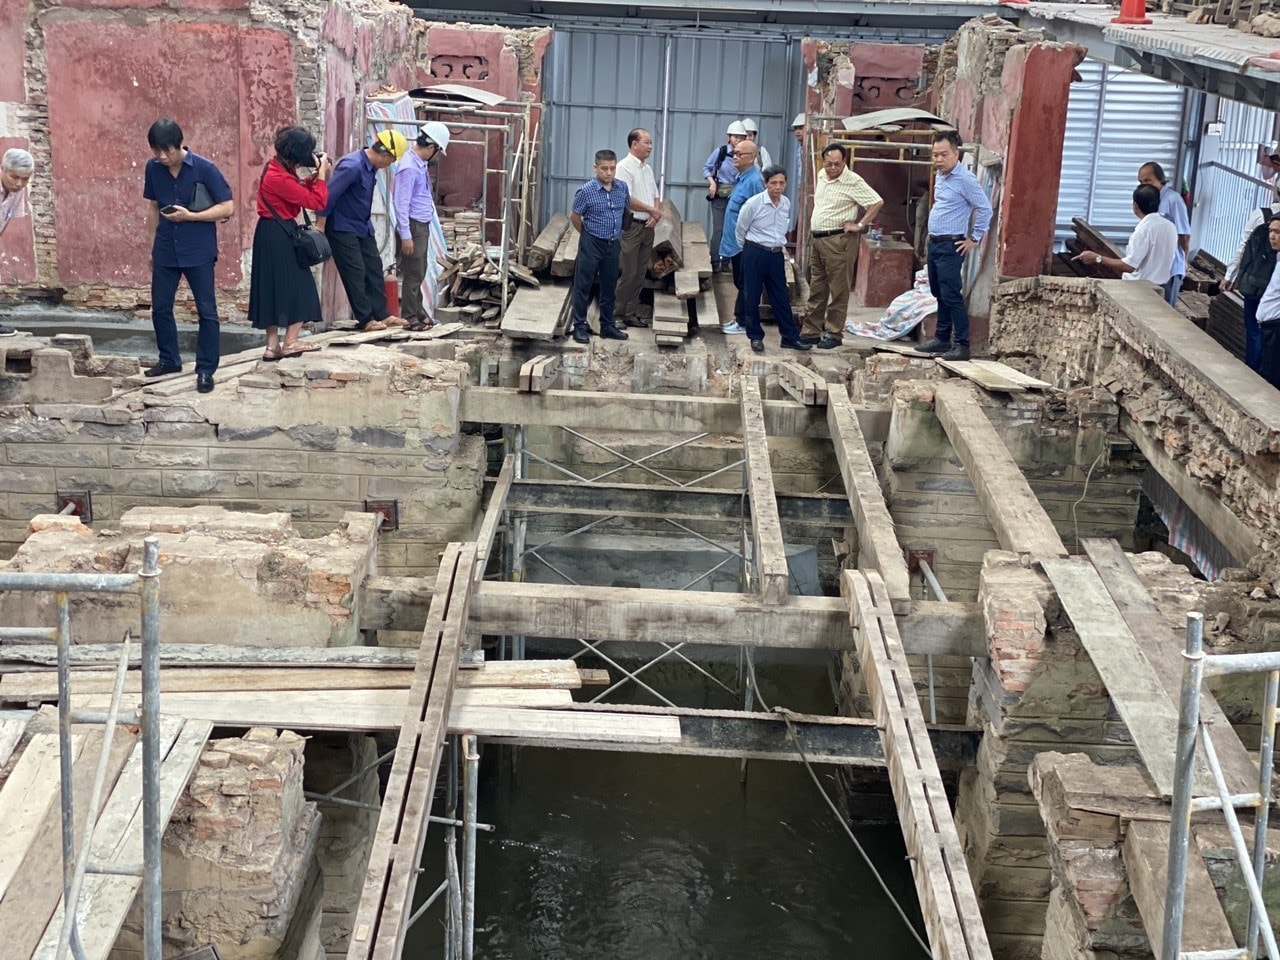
point(13, 24)
point(99, 143)
point(17, 243)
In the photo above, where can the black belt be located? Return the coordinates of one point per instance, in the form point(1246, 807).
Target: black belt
point(949, 238)
point(761, 246)
point(820, 234)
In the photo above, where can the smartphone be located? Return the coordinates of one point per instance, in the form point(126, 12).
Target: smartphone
point(169, 209)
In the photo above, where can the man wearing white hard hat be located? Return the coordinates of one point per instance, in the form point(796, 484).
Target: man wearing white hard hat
point(753, 134)
point(721, 175)
point(414, 212)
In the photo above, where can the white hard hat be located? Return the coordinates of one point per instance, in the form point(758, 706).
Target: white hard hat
point(798, 121)
point(750, 126)
point(736, 129)
point(435, 132)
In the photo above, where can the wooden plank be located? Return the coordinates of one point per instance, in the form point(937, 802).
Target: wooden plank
point(704, 310)
point(908, 348)
point(493, 513)
point(526, 372)
point(391, 698)
point(391, 877)
point(26, 907)
point(670, 328)
point(947, 898)
point(543, 249)
point(248, 679)
point(802, 383)
point(26, 796)
point(396, 334)
point(105, 900)
point(878, 546)
point(1163, 647)
point(697, 254)
point(1012, 375)
point(1242, 541)
point(544, 374)
point(687, 282)
point(535, 314)
point(668, 246)
point(1146, 860)
point(986, 378)
point(10, 734)
point(1020, 522)
point(772, 574)
point(1132, 683)
point(566, 254)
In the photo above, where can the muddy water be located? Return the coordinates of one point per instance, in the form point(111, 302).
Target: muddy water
point(630, 856)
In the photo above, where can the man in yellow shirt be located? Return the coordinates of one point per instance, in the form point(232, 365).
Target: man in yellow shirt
point(844, 207)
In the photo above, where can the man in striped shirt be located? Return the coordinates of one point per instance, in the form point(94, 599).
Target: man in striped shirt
point(958, 221)
point(844, 207)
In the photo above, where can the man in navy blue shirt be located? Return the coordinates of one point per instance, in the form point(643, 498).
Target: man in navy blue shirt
point(597, 215)
point(188, 196)
point(346, 223)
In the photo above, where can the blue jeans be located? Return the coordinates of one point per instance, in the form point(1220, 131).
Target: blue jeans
point(1171, 289)
point(763, 269)
point(595, 256)
point(947, 287)
point(164, 287)
point(1252, 335)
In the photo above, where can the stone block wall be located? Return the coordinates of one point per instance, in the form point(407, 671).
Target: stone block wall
point(313, 438)
point(238, 853)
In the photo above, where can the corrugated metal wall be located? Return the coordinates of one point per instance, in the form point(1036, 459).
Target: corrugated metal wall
point(1234, 198)
point(602, 84)
point(1116, 121)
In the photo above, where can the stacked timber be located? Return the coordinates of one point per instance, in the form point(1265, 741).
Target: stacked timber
point(671, 319)
point(545, 245)
point(1226, 322)
point(472, 282)
point(1089, 239)
point(668, 245)
point(462, 229)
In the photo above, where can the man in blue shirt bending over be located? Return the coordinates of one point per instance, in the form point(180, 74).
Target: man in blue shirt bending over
point(958, 221)
point(1174, 209)
point(597, 214)
point(188, 196)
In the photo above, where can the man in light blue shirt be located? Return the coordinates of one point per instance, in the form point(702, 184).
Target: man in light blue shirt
point(762, 232)
point(749, 183)
point(958, 221)
point(1174, 209)
point(415, 210)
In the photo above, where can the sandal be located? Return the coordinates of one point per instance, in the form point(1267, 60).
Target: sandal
point(373, 325)
point(270, 356)
point(419, 325)
point(395, 322)
point(298, 348)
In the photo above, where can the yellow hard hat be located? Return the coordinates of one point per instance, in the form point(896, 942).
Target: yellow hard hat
point(394, 142)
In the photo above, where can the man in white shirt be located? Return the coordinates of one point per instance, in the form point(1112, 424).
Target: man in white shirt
point(1248, 272)
point(1269, 318)
point(637, 232)
point(1152, 245)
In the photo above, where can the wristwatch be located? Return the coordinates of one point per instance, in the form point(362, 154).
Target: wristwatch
point(1097, 258)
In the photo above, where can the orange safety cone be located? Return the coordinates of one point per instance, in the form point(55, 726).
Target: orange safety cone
point(391, 287)
point(1132, 12)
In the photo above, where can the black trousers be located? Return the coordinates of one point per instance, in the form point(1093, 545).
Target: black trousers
point(360, 268)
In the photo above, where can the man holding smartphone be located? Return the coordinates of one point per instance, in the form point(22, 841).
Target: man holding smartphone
point(188, 196)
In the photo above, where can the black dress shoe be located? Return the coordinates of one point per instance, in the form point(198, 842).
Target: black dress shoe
point(161, 369)
point(613, 333)
point(812, 340)
point(795, 345)
point(828, 342)
point(636, 322)
point(204, 382)
point(935, 346)
point(757, 346)
point(581, 335)
point(956, 353)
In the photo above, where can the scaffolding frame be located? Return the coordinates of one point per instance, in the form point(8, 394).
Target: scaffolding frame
point(76, 864)
point(1196, 667)
point(513, 122)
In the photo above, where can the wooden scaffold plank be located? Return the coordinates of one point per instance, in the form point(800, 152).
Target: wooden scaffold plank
point(770, 552)
point(385, 901)
point(1020, 522)
point(1139, 696)
point(878, 546)
point(947, 897)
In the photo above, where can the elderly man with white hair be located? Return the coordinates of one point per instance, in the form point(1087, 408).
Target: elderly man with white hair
point(16, 168)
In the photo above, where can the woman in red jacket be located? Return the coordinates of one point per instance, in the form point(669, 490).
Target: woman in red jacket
point(282, 293)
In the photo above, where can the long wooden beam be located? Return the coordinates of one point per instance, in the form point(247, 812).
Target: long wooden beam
point(1020, 522)
point(770, 553)
point(677, 503)
point(391, 876)
point(878, 547)
point(644, 615)
point(493, 514)
point(947, 897)
point(588, 410)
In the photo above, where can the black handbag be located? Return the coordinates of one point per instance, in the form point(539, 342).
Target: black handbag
point(310, 246)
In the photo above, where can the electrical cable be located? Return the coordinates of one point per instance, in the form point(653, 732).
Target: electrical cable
point(794, 736)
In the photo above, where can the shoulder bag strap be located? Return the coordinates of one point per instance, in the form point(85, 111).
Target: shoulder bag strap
point(275, 216)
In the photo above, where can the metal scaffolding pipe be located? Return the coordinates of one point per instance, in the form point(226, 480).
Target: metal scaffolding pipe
point(44, 634)
point(67, 793)
point(1236, 800)
point(79, 582)
point(1184, 779)
point(470, 797)
point(1266, 763)
point(1224, 664)
point(152, 827)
